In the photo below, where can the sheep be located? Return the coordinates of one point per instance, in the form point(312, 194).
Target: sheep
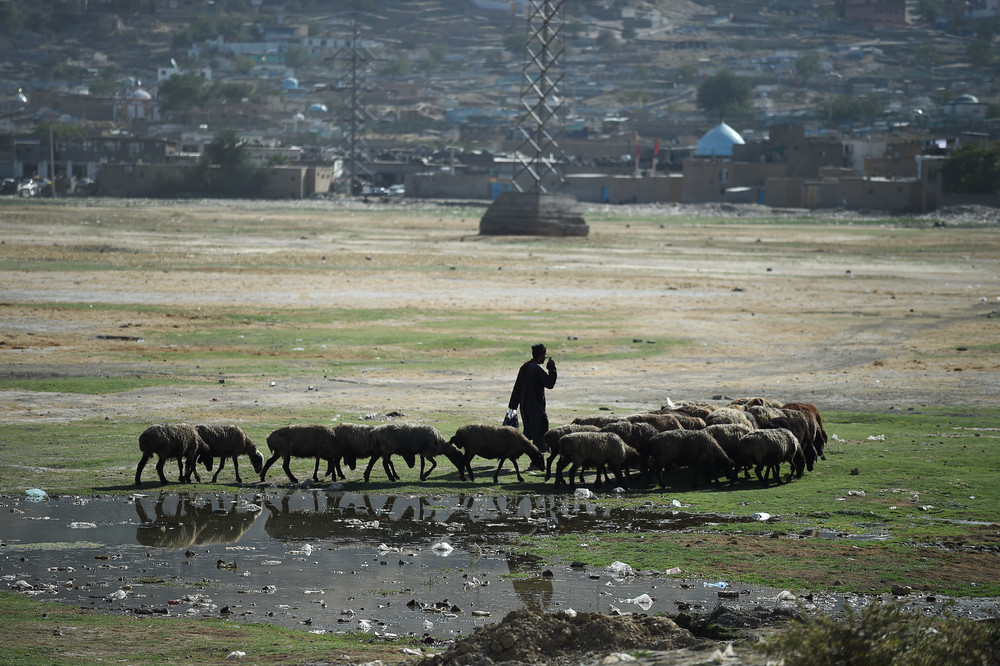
point(821, 438)
point(552, 437)
point(687, 421)
point(761, 414)
point(768, 448)
point(228, 441)
point(598, 421)
point(730, 415)
point(581, 449)
point(300, 441)
point(689, 409)
point(173, 440)
point(728, 436)
point(803, 426)
point(696, 449)
point(659, 421)
point(354, 443)
point(636, 435)
point(746, 403)
point(496, 443)
point(409, 441)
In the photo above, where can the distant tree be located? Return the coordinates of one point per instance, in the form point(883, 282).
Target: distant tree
point(850, 109)
point(980, 53)
point(399, 67)
point(607, 41)
point(972, 169)
point(233, 175)
point(296, 57)
point(808, 66)
point(59, 130)
point(105, 84)
point(182, 92)
point(725, 90)
point(633, 97)
point(930, 10)
point(243, 64)
point(233, 91)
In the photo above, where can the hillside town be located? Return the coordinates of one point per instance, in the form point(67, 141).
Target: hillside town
point(863, 104)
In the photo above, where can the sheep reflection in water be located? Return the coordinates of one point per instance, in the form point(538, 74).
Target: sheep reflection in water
point(182, 521)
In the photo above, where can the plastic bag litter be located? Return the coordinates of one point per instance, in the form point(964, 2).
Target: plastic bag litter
point(443, 549)
point(643, 601)
point(364, 626)
point(117, 595)
point(721, 585)
point(675, 503)
point(583, 493)
point(620, 569)
point(785, 595)
point(82, 526)
point(35, 495)
point(673, 570)
point(570, 612)
point(761, 516)
point(236, 654)
point(876, 438)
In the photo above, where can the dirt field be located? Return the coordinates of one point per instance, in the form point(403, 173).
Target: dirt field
point(835, 310)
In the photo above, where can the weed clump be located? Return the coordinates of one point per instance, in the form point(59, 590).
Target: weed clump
point(887, 635)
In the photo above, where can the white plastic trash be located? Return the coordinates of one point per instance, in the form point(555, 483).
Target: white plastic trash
point(443, 549)
point(583, 493)
point(620, 569)
point(785, 595)
point(643, 601)
point(35, 494)
point(761, 516)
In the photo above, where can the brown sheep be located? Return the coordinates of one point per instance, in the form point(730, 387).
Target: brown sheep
point(300, 441)
point(821, 438)
point(173, 440)
point(496, 443)
point(766, 449)
point(552, 437)
point(583, 449)
point(229, 441)
point(696, 449)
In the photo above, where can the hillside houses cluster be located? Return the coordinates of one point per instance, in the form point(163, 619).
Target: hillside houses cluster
point(441, 126)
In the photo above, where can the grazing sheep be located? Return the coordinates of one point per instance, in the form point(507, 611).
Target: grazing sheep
point(552, 437)
point(228, 441)
point(687, 421)
point(354, 443)
point(300, 441)
point(410, 441)
point(730, 415)
point(768, 448)
point(636, 435)
point(495, 443)
point(755, 402)
point(598, 421)
point(689, 409)
point(761, 414)
point(582, 449)
point(659, 421)
point(803, 426)
point(696, 449)
point(728, 436)
point(821, 439)
point(173, 440)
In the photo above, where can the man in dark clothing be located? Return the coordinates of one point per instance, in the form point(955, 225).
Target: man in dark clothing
point(529, 394)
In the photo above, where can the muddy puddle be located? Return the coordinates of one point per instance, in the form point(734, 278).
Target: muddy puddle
point(338, 560)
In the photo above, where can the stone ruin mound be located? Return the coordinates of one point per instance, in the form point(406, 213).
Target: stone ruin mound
point(533, 214)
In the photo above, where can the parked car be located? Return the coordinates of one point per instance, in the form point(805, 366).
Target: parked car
point(35, 187)
point(396, 190)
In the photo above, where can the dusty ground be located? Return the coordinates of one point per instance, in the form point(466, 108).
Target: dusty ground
point(847, 316)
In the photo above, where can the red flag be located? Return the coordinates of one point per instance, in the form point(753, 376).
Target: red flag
point(656, 148)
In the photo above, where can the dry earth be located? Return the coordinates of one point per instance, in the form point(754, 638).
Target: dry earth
point(844, 315)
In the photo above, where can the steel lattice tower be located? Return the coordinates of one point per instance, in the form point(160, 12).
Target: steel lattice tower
point(356, 61)
point(539, 125)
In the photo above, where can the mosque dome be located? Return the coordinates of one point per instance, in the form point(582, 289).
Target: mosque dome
point(966, 99)
point(718, 142)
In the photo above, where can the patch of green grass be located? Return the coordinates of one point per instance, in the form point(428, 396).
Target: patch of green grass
point(91, 385)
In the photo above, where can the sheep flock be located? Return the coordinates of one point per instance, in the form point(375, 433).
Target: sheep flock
point(705, 443)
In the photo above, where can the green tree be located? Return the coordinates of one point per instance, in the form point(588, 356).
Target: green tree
point(725, 90)
point(233, 91)
point(607, 41)
point(980, 53)
point(182, 92)
point(243, 64)
point(105, 84)
point(972, 169)
point(930, 10)
point(850, 109)
point(225, 169)
point(808, 66)
point(296, 57)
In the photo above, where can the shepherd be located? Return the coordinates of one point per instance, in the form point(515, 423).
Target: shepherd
point(529, 394)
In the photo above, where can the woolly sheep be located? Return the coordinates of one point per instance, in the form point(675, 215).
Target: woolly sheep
point(636, 435)
point(821, 438)
point(687, 421)
point(728, 436)
point(552, 437)
point(696, 449)
point(755, 402)
point(495, 443)
point(768, 448)
point(730, 415)
point(598, 421)
point(229, 441)
point(410, 441)
point(354, 443)
point(659, 421)
point(761, 414)
point(583, 449)
point(300, 441)
point(803, 427)
point(689, 409)
point(173, 440)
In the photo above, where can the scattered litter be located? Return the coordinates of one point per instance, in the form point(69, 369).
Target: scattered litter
point(620, 569)
point(428, 625)
point(412, 652)
point(76, 525)
point(675, 503)
point(35, 494)
point(583, 493)
point(926, 507)
point(720, 584)
point(876, 438)
point(618, 490)
point(443, 549)
point(785, 595)
point(236, 654)
point(674, 570)
point(117, 595)
point(761, 516)
point(835, 438)
point(643, 601)
point(364, 626)
point(570, 612)
point(479, 613)
point(857, 493)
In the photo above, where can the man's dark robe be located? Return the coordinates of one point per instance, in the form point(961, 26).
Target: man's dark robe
point(529, 394)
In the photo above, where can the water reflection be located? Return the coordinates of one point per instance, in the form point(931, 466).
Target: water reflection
point(183, 521)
